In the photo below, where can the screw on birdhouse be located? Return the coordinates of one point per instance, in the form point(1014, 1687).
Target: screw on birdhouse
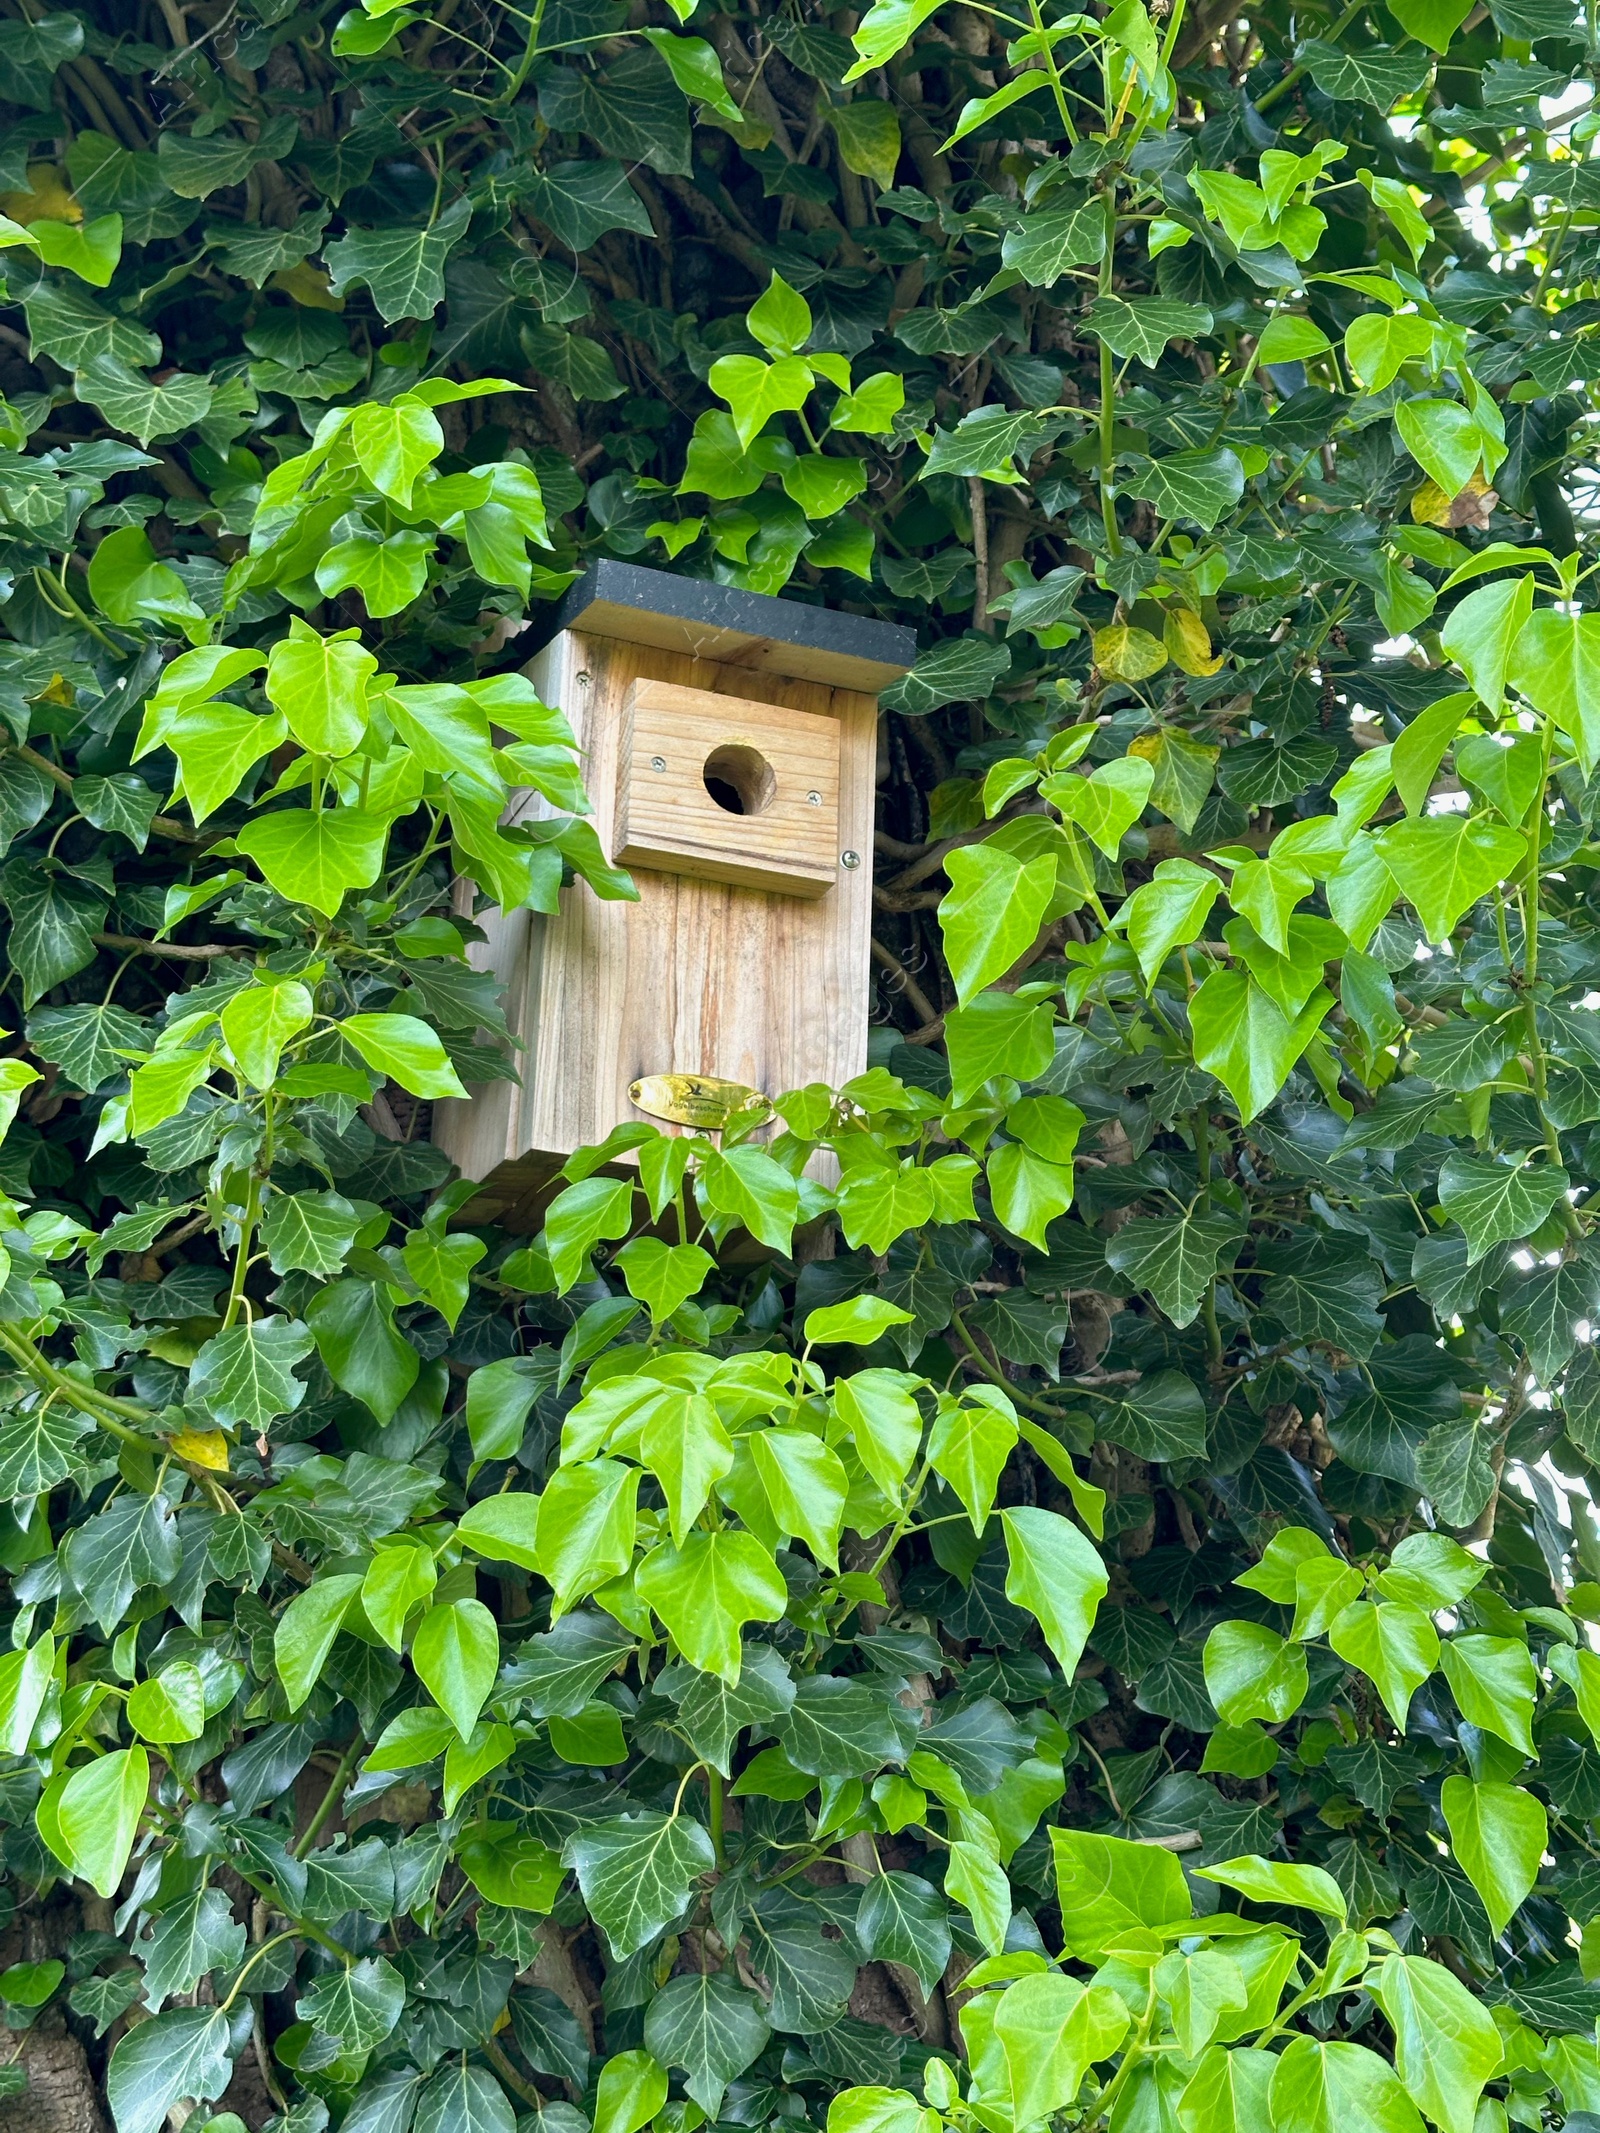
point(658, 762)
point(584, 679)
point(813, 799)
point(849, 859)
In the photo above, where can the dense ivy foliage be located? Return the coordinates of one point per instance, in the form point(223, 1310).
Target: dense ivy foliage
point(1087, 1617)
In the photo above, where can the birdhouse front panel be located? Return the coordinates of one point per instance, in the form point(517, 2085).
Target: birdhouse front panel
point(729, 789)
point(740, 798)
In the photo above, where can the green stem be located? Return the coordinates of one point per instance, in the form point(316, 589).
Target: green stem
point(103, 1407)
point(714, 1788)
point(1105, 2102)
point(1202, 1153)
point(530, 52)
point(1530, 972)
point(333, 1795)
point(899, 1529)
point(250, 1962)
point(86, 622)
point(509, 2075)
point(1108, 407)
point(1057, 87)
point(241, 1258)
point(1012, 1392)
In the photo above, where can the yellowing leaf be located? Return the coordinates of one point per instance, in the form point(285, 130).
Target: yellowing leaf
point(201, 1447)
point(1127, 654)
point(1188, 642)
point(48, 198)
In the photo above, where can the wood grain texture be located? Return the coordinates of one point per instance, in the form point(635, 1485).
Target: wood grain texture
point(698, 977)
point(667, 819)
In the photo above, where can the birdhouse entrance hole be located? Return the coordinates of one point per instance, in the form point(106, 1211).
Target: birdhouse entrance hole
point(740, 780)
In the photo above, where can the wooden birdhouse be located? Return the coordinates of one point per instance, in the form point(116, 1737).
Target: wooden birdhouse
point(729, 747)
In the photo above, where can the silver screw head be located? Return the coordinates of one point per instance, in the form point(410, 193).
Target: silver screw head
point(813, 799)
point(850, 859)
point(658, 762)
point(584, 679)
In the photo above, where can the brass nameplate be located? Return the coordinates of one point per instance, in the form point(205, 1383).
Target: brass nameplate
point(699, 1100)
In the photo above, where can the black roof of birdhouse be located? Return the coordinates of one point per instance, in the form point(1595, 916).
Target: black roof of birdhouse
point(733, 627)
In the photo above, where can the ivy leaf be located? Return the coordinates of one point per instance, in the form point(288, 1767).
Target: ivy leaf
point(1175, 1261)
point(959, 670)
point(403, 266)
point(1108, 1884)
point(548, 2034)
point(1498, 1203)
point(999, 1033)
point(705, 1592)
point(33, 51)
point(38, 1450)
point(992, 913)
point(582, 201)
point(1338, 2088)
point(183, 2053)
point(149, 409)
point(1047, 243)
point(356, 2006)
point(636, 1872)
point(69, 325)
point(121, 802)
point(1543, 1311)
point(244, 1378)
point(713, 1712)
point(1326, 1288)
point(1057, 1574)
point(990, 438)
point(1498, 1834)
point(1453, 1469)
point(1442, 864)
point(1446, 2043)
point(1161, 1418)
point(1371, 75)
point(904, 1919)
point(1106, 804)
point(1143, 325)
point(1201, 486)
point(1394, 1645)
point(968, 1446)
point(456, 1653)
point(309, 1231)
point(315, 858)
point(194, 168)
point(1266, 773)
point(1494, 1685)
point(463, 2098)
point(53, 924)
point(352, 1323)
point(196, 1936)
point(750, 1189)
point(305, 1633)
point(388, 574)
point(90, 1816)
point(810, 1979)
point(838, 1728)
point(1555, 664)
point(711, 2028)
point(1252, 1672)
point(1244, 1037)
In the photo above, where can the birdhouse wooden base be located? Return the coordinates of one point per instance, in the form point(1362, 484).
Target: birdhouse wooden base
point(729, 749)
